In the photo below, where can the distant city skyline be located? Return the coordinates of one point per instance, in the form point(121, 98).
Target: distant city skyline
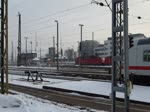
point(38, 18)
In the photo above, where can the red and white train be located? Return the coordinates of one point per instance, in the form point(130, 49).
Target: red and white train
point(139, 60)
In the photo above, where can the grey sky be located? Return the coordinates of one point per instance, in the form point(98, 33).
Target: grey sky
point(36, 19)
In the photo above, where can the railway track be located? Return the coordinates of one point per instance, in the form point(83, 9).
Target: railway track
point(103, 75)
point(61, 96)
point(102, 70)
point(69, 76)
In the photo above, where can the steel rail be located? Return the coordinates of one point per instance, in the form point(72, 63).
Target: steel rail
point(77, 100)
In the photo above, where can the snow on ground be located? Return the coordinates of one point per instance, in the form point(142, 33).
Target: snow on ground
point(22, 80)
point(139, 93)
point(50, 68)
point(26, 103)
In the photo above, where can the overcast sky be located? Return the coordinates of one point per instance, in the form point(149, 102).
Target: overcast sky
point(38, 17)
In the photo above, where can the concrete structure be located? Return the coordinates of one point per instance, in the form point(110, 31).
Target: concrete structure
point(27, 58)
point(108, 47)
point(51, 53)
point(105, 50)
point(99, 51)
point(88, 48)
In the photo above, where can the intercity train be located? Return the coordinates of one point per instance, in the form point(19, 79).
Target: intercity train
point(139, 60)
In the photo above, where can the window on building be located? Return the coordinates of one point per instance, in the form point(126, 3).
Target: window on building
point(146, 55)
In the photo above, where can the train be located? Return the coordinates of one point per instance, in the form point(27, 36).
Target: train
point(93, 61)
point(139, 60)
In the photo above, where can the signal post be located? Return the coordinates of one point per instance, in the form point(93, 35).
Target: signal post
point(120, 52)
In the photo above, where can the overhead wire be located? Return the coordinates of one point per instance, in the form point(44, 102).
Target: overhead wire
point(50, 15)
point(62, 12)
point(17, 4)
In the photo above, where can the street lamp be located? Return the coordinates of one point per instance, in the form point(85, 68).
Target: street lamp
point(31, 46)
point(57, 44)
point(81, 26)
point(53, 49)
point(26, 38)
point(80, 47)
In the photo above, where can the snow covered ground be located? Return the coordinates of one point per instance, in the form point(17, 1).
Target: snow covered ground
point(26, 103)
point(139, 93)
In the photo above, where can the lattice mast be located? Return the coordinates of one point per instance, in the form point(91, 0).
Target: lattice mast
point(4, 45)
point(120, 51)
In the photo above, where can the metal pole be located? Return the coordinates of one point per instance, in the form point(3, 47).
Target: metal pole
point(26, 38)
point(57, 44)
point(2, 46)
point(6, 17)
point(126, 55)
point(40, 54)
point(81, 25)
point(12, 55)
point(31, 46)
point(53, 49)
point(120, 51)
point(19, 41)
point(36, 43)
point(93, 43)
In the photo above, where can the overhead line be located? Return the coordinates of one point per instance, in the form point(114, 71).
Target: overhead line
point(67, 10)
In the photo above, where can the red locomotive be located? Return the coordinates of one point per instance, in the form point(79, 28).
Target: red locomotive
point(93, 61)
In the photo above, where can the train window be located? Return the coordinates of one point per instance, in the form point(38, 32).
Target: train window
point(146, 55)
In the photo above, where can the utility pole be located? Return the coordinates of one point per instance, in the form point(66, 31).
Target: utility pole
point(36, 43)
point(120, 57)
point(57, 45)
point(40, 52)
point(31, 46)
point(19, 41)
point(12, 55)
point(53, 49)
point(93, 43)
point(26, 38)
point(15, 57)
point(80, 49)
point(4, 45)
point(120, 52)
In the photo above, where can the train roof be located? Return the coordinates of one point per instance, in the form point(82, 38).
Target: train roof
point(144, 41)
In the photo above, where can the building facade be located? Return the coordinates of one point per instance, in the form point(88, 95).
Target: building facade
point(105, 50)
point(99, 51)
point(27, 58)
point(87, 48)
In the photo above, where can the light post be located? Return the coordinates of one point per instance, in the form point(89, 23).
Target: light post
point(93, 43)
point(31, 46)
point(26, 38)
point(57, 44)
point(53, 49)
point(80, 49)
